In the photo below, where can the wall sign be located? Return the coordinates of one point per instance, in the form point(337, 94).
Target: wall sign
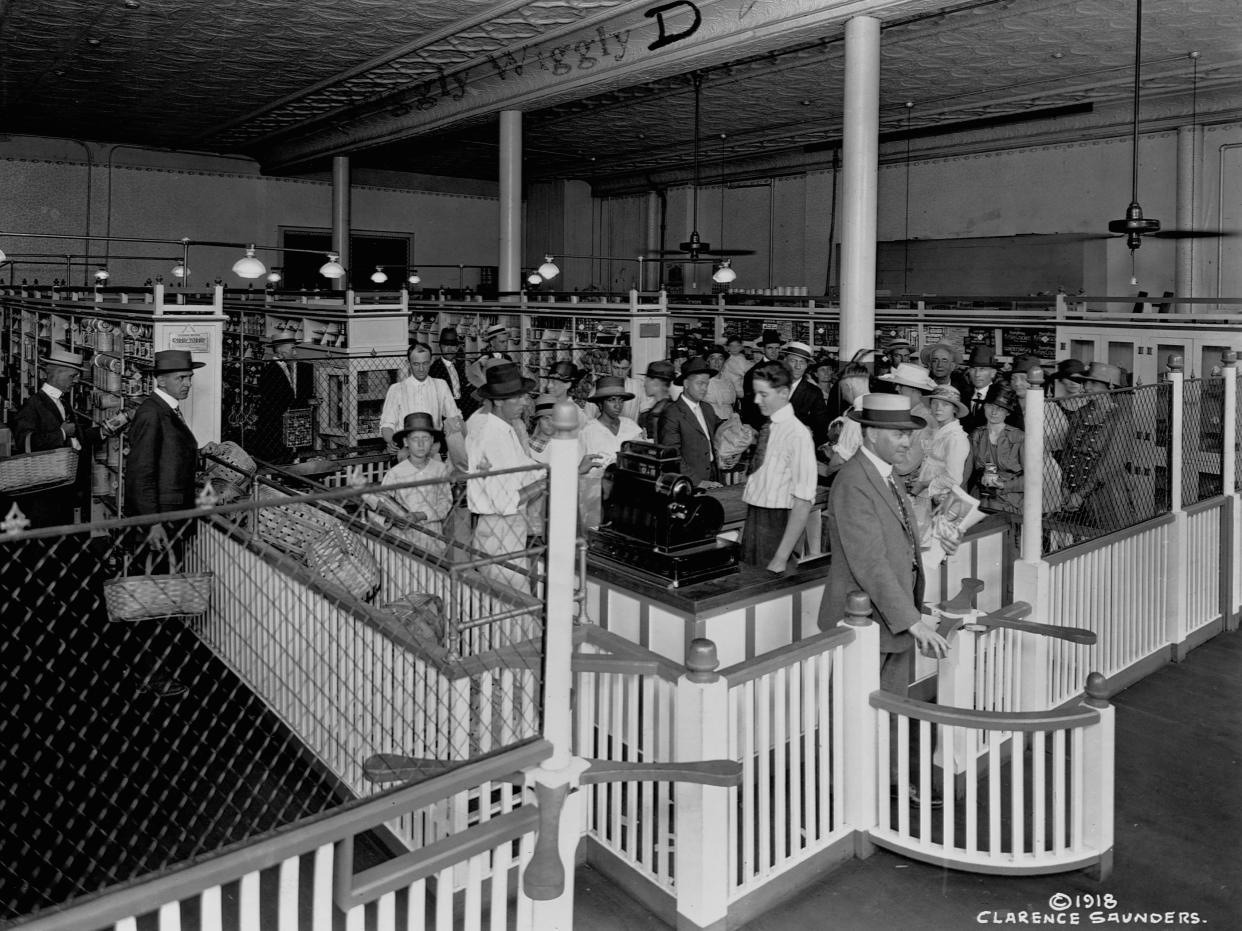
point(190, 341)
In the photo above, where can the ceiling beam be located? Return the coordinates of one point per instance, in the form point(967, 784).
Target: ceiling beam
point(643, 42)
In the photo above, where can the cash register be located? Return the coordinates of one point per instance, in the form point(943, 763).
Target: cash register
point(655, 523)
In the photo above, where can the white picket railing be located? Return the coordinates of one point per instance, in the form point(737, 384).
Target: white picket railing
point(1116, 587)
point(303, 876)
point(625, 711)
point(1205, 566)
point(785, 728)
point(1040, 799)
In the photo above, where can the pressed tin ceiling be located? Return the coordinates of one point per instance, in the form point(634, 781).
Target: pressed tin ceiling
point(415, 85)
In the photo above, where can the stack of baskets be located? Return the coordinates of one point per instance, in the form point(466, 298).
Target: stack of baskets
point(321, 541)
point(230, 471)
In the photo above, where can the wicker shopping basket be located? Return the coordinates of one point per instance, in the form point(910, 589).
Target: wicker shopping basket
point(41, 471)
point(174, 594)
point(340, 559)
point(292, 527)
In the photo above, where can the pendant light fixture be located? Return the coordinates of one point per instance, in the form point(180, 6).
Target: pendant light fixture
point(548, 270)
point(723, 273)
point(379, 276)
point(248, 266)
point(534, 279)
point(180, 270)
point(3, 257)
point(1134, 225)
point(414, 277)
point(333, 267)
point(101, 274)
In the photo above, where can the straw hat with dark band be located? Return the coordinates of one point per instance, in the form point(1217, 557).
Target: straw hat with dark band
point(889, 411)
point(167, 361)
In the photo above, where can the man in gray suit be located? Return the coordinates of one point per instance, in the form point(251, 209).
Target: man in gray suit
point(874, 541)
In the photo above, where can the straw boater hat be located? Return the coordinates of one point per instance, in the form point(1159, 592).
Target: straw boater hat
point(1103, 372)
point(909, 374)
point(173, 360)
point(496, 329)
point(950, 394)
point(544, 404)
point(898, 343)
point(610, 386)
point(60, 355)
point(419, 420)
point(282, 337)
point(801, 350)
point(889, 411)
point(695, 366)
point(505, 380)
point(982, 357)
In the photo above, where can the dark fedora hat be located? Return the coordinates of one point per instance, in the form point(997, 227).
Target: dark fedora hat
point(1002, 395)
point(505, 381)
point(890, 411)
point(770, 337)
point(610, 386)
point(449, 337)
point(1024, 365)
point(419, 420)
point(1072, 369)
point(661, 369)
point(564, 370)
point(173, 360)
point(982, 357)
point(695, 366)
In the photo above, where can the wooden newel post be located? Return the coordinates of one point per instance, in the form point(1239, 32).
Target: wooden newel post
point(1177, 378)
point(1099, 775)
point(1176, 612)
point(702, 830)
point(544, 880)
point(1229, 481)
point(861, 672)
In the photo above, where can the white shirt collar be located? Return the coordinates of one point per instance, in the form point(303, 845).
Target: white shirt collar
point(783, 413)
point(52, 391)
point(167, 398)
point(885, 468)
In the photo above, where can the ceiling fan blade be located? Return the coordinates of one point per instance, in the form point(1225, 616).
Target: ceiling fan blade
point(1195, 234)
point(728, 251)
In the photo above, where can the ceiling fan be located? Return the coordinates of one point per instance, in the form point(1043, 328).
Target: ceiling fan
point(1134, 226)
point(694, 248)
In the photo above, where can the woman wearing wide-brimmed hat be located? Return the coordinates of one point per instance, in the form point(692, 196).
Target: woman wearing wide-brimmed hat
point(1098, 448)
point(658, 387)
point(499, 501)
point(602, 438)
point(1068, 395)
point(947, 450)
point(996, 454)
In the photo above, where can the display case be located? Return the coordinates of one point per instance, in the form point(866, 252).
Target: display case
point(117, 331)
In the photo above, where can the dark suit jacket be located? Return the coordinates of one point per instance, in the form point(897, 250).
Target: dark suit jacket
point(871, 553)
point(679, 428)
point(439, 369)
point(161, 463)
point(810, 407)
point(276, 396)
point(41, 421)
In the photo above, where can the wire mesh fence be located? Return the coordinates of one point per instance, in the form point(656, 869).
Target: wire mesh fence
point(1112, 453)
point(1203, 426)
point(171, 692)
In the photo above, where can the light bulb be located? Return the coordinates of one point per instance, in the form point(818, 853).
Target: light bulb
point(378, 276)
point(414, 278)
point(332, 268)
point(248, 266)
point(548, 270)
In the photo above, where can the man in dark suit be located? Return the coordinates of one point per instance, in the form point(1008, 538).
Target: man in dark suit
point(689, 424)
point(283, 383)
point(48, 421)
point(980, 373)
point(450, 367)
point(874, 541)
point(807, 400)
point(163, 453)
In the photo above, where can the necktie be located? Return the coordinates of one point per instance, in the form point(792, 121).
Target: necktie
point(901, 509)
point(291, 375)
point(761, 449)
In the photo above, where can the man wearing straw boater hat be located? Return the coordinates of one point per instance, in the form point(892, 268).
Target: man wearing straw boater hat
point(499, 502)
point(283, 382)
point(689, 424)
point(48, 421)
point(805, 397)
point(874, 541)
